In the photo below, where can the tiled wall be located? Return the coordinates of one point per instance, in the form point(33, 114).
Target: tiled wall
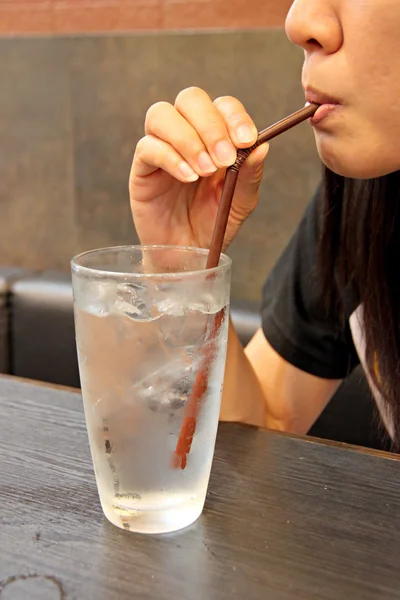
point(72, 110)
point(72, 16)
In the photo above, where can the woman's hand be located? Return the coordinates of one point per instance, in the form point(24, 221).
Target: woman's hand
point(179, 167)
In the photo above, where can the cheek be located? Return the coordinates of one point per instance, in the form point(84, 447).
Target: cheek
point(365, 141)
point(372, 48)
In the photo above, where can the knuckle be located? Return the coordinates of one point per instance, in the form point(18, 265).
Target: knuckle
point(141, 146)
point(229, 104)
point(147, 148)
point(237, 118)
point(155, 110)
point(232, 110)
point(188, 94)
point(223, 100)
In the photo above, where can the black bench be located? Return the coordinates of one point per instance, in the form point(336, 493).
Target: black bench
point(8, 276)
point(42, 347)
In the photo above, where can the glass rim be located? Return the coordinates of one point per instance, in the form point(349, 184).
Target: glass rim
point(78, 268)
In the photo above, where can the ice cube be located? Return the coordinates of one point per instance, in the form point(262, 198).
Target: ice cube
point(174, 396)
point(168, 387)
point(210, 301)
point(172, 307)
point(203, 302)
point(98, 297)
point(136, 301)
point(186, 331)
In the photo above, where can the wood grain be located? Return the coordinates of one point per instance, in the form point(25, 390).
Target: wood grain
point(285, 518)
point(53, 386)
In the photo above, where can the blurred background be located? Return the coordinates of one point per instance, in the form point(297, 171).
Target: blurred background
point(76, 80)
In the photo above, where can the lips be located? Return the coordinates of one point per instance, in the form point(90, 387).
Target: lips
point(327, 104)
point(322, 112)
point(315, 97)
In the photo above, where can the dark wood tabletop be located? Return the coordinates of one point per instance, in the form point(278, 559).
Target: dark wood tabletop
point(285, 517)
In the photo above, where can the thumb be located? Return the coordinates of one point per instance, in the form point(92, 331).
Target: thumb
point(250, 176)
point(246, 191)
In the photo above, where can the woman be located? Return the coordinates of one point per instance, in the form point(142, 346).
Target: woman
point(333, 299)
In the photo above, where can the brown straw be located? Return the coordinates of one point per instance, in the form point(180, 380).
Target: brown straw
point(233, 172)
point(200, 387)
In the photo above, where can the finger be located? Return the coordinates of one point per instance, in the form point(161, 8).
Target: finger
point(152, 154)
point(248, 183)
point(250, 175)
point(198, 109)
point(256, 159)
point(238, 122)
point(165, 123)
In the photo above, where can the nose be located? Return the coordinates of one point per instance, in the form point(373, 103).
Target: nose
point(314, 26)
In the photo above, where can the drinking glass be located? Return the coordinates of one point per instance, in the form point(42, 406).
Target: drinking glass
point(151, 331)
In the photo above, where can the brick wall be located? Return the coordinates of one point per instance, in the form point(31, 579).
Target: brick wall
point(19, 17)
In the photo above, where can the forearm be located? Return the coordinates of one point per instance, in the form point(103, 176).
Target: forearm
point(261, 388)
point(243, 399)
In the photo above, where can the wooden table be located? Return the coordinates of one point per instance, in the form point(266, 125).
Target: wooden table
point(285, 518)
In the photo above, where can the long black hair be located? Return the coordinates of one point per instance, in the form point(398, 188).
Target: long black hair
point(359, 250)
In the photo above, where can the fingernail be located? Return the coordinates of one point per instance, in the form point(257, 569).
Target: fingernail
point(245, 134)
point(225, 153)
point(205, 163)
point(187, 172)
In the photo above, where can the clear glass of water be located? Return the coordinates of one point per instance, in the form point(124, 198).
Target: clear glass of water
point(151, 331)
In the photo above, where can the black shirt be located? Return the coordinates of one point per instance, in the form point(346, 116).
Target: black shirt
point(293, 314)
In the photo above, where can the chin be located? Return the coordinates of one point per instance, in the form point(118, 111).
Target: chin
point(353, 160)
point(350, 168)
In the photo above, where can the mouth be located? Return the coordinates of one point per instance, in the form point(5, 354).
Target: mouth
point(328, 104)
